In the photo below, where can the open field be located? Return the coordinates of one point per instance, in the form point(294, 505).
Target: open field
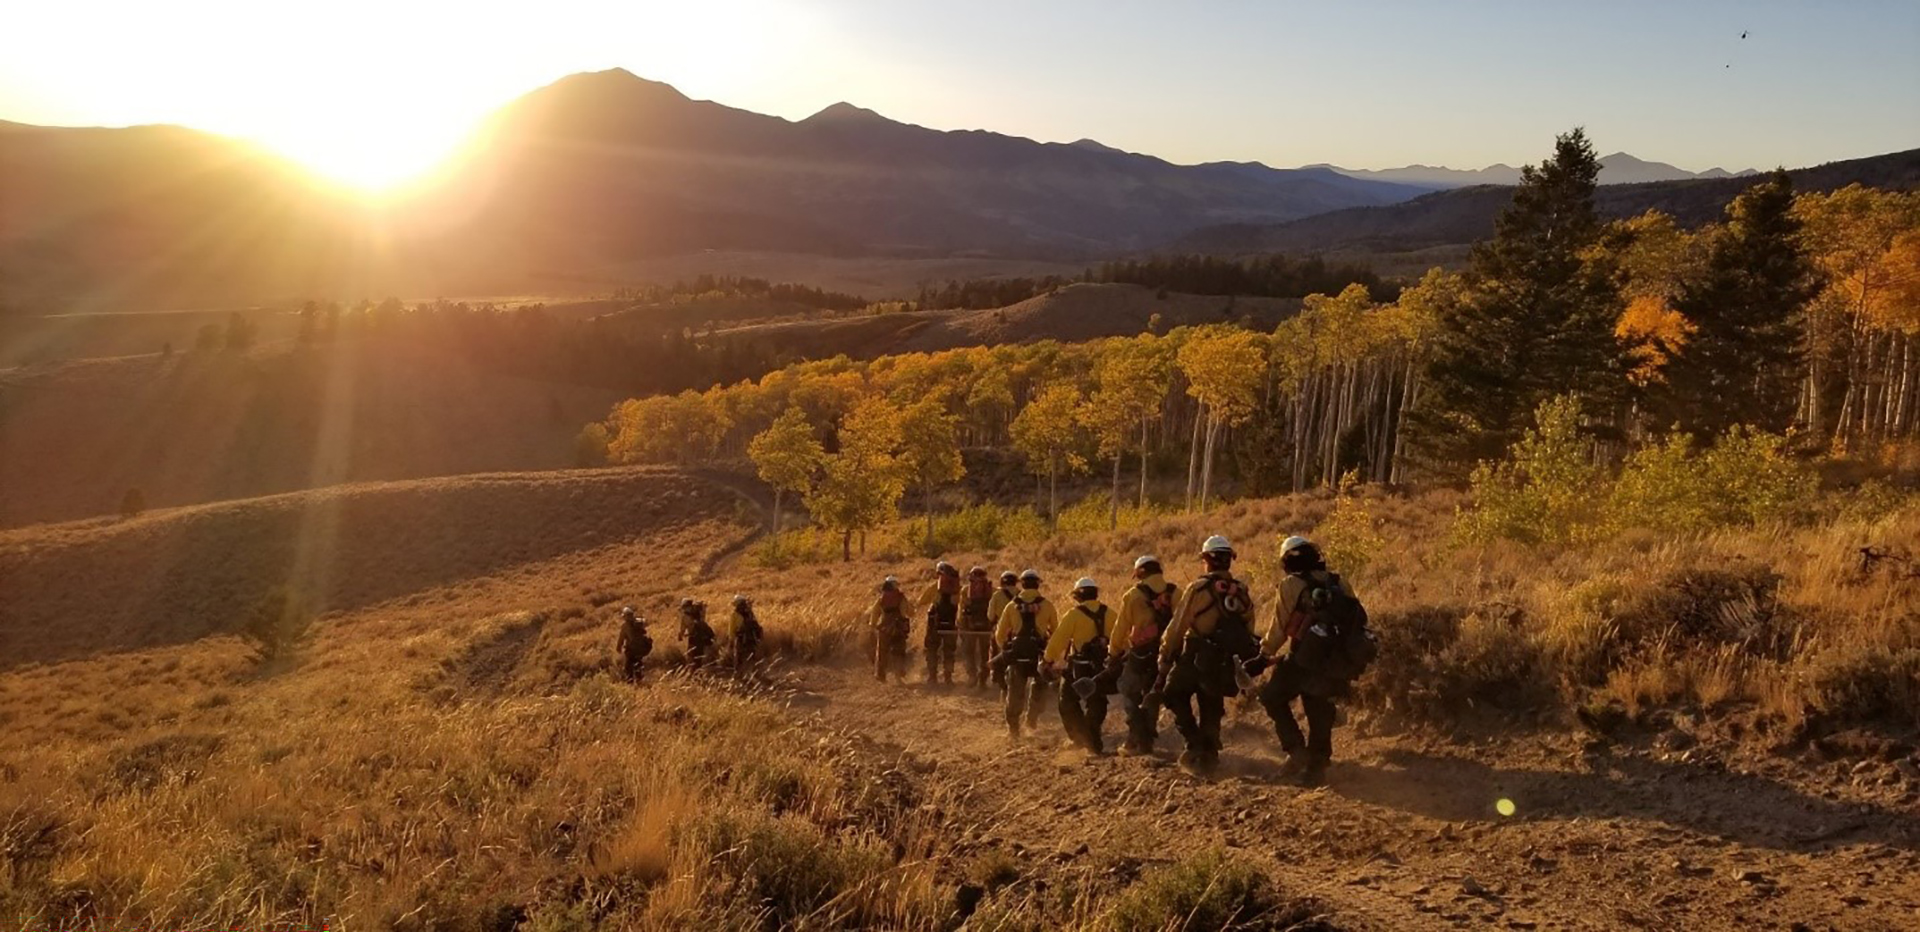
point(451, 751)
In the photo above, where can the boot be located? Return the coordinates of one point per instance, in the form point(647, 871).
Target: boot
point(1314, 773)
point(1293, 766)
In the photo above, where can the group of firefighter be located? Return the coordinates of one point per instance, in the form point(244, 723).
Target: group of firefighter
point(734, 646)
point(1188, 649)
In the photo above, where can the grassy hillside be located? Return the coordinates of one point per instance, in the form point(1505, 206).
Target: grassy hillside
point(1072, 314)
point(177, 575)
point(198, 427)
point(451, 751)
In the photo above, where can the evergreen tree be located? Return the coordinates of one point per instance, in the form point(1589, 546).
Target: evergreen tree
point(1539, 320)
point(1742, 363)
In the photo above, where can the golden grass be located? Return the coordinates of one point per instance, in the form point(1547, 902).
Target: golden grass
point(458, 756)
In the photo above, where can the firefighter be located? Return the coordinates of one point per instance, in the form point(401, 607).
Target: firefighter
point(888, 617)
point(1145, 612)
point(633, 645)
point(1020, 640)
point(941, 602)
point(996, 606)
point(976, 626)
point(696, 633)
point(1077, 651)
point(744, 634)
point(1201, 655)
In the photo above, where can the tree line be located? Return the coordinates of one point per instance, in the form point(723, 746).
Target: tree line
point(1270, 276)
point(1792, 314)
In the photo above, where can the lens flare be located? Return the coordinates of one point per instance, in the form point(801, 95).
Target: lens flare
point(1505, 807)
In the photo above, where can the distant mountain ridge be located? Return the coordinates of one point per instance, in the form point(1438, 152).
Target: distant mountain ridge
point(577, 179)
point(1464, 215)
point(1618, 168)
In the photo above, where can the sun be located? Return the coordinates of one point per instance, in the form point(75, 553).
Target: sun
point(374, 154)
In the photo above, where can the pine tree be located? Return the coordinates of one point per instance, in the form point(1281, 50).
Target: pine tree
point(1539, 320)
point(1742, 362)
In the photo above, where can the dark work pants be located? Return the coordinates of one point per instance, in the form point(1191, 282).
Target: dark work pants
point(1143, 717)
point(889, 653)
point(1026, 693)
point(941, 646)
point(631, 667)
point(1083, 717)
point(1197, 712)
point(1278, 695)
point(974, 651)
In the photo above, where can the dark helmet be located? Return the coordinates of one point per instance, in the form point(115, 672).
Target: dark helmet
point(945, 569)
point(1299, 555)
point(979, 571)
point(889, 583)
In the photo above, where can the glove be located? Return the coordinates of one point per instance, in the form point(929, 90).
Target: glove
point(1257, 666)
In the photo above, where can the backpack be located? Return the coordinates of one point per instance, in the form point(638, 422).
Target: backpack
point(1217, 654)
point(1091, 656)
point(749, 629)
point(1026, 644)
point(1146, 641)
point(979, 589)
point(1334, 639)
point(945, 610)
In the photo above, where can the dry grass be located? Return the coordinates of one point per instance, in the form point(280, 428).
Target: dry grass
point(457, 755)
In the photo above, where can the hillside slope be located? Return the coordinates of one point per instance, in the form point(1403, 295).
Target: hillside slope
point(182, 574)
point(208, 426)
point(1074, 313)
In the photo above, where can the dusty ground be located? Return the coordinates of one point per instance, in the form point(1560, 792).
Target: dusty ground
point(1406, 834)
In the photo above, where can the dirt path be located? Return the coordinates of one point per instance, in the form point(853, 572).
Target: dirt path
point(1406, 836)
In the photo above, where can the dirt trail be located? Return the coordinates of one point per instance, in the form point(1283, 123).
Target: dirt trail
point(1406, 836)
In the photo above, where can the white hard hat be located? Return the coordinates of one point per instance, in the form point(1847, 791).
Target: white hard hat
point(1216, 544)
point(1031, 574)
point(1293, 543)
point(1144, 559)
point(1086, 582)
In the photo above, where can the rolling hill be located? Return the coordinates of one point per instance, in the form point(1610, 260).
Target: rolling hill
point(198, 427)
point(1074, 313)
point(1459, 217)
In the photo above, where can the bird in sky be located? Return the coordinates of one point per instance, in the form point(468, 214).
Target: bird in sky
point(1743, 33)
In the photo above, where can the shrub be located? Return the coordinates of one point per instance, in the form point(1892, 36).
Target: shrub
point(1209, 891)
point(1737, 605)
point(1745, 478)
point(1544, 491)
point(987, 527)
point(278, 625)
point(1856, 683)
point(1347, 538)
point(787, 866)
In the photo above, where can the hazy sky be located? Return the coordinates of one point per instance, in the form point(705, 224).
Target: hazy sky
point(1287, 82)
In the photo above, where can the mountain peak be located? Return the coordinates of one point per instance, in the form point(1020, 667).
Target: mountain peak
point(844, 112)
point(1094, 145)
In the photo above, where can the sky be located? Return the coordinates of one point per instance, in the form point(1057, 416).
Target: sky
point(374, 88)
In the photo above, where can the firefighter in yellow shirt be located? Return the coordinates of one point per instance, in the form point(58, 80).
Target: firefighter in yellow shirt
point(1133, 660)
point(1323, 629)
point(1020, 639)
point(1210, 637)
point(996, 605)
point(743, 633)
point(941, 603)
point(1077, 650)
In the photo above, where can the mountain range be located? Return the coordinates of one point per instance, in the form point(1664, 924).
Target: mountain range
point(1618, 168)
point(574, 185)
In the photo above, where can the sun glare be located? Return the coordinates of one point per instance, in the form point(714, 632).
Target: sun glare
point(374, 155)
